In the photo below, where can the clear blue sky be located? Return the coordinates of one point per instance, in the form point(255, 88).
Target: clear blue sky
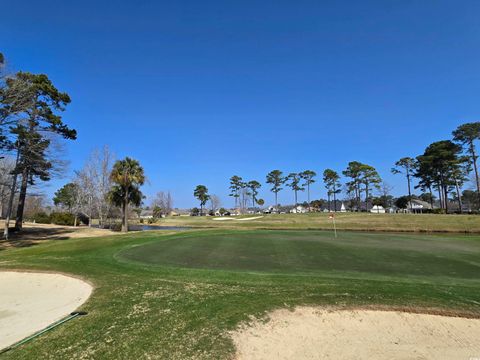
point(202, 90)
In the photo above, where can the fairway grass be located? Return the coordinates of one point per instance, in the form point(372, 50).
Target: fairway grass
point(424, 223)
point(178, 295)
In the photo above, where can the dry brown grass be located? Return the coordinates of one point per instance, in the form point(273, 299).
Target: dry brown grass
point(32, 234)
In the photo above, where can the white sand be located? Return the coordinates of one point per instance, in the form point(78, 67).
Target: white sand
point(250, 218)
point(29, 302)
point(242, 219)
point(310, 333)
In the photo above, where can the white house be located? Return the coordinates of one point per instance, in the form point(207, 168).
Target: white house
point(343, 209)
point(377, 209)
point(270, 210)
point(418, 206)
point(298, 210)
point(146, 214)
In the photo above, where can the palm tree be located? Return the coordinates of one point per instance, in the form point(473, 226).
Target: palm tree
point(466, 135)
point(201, 193)
point(128, 175)
point(276, 179)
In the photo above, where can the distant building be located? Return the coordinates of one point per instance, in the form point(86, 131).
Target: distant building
point(377, 209)
point(418, 206)
point(270, 210)
point(298, 210)
point(146, 214)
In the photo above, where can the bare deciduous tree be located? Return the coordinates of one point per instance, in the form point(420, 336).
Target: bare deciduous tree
point(164, 202)
point(215, 202)
point(95, 183)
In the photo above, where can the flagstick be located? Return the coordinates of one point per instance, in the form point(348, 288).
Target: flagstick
point(335, 227)
point(332, 216)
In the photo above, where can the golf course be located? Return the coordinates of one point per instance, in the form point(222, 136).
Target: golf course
point(182, 294)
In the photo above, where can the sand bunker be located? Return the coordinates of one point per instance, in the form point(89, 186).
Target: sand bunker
point(242, 219)
point(31, 301)
point(310, 333)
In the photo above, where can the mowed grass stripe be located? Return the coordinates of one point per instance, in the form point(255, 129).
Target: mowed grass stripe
point(314, 252)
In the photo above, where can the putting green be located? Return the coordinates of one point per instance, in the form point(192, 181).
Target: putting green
point(316, 252)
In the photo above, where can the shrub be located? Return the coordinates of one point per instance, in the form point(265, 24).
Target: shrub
point(62, 218)
point(41, 218)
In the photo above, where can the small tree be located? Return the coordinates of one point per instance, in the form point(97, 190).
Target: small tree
point(201, 193)
point(402, 202)
point(128, 176)
point(66, 196)
point(69, 198)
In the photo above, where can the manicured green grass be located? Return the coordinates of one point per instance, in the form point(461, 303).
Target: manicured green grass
point(427, 223)
point(314, 252)
point(176, 295)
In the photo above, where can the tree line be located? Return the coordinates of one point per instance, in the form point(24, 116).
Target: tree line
point(31, 129)
point(444, 167)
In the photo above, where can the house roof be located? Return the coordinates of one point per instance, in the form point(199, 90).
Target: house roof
point(420, 203)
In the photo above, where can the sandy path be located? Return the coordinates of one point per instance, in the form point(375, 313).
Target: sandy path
point(31, 301)
point(309, 333)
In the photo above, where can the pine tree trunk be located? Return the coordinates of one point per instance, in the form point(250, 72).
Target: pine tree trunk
point(431, 196)
point(366, 198)
point(334, 199)
point(459, 197)
point(475, 167)
point(21, 201)
point(440, 197)
point(445, 190)
point(409, 191)
point(11, 198)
